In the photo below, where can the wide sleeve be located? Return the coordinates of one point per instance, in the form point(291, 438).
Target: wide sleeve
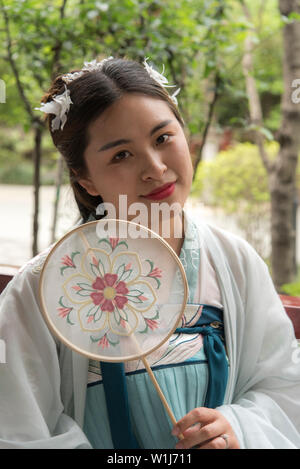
point(31, 410)
point(264, 409)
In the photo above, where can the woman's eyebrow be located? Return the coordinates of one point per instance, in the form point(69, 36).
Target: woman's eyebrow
point(115, 143)
point(122, 141)
point(160, 126)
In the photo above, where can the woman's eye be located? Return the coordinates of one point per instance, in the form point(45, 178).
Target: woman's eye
point(121, 156)
point(162, 138)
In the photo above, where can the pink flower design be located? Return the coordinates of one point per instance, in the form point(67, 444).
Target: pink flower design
point(95, 262)
point(113, 242)
point(103, 342)
point(155, 273)
point(63, 312)
point(142, 298)
point(151, 323)
point(66, 260)
point(123, 323)
point(109, 293)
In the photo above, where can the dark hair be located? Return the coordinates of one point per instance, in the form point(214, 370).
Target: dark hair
point(91, 94)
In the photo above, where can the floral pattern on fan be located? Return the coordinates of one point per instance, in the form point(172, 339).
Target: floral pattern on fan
point(109, 293)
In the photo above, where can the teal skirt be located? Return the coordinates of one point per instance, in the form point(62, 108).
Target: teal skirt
point(184, 387)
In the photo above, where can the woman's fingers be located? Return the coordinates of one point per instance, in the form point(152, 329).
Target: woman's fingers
point(201, 415)
point(198, 435)
point(204, 428)
point(216, 443)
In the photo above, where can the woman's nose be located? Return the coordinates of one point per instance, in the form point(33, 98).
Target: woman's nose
point(153, 166)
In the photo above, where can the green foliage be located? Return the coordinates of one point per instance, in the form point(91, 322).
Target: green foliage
point(17, 174)
point(292, 289)
point(22, 173)
point(183, 35)
point(232, 106)
point(187, 36)
point(194, 39)
point(16, 157)
point(235, 179)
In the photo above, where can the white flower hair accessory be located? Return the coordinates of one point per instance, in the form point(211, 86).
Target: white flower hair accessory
point(88, 67)
point(60, 104)
point(59, 107)
point(161, 79)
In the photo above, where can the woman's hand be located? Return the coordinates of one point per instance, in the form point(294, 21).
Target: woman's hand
point(203, 428)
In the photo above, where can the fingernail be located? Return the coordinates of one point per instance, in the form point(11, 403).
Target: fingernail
point(175, 431)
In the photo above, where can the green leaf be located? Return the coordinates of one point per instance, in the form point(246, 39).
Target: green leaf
point(267, 133)
point(151, 265)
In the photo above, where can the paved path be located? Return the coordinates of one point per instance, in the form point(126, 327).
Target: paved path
point(16, 219)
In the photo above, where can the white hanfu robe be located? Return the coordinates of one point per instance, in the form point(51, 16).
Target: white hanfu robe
point(43, 383)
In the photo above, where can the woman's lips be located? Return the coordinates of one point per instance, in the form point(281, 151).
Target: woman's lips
point(162, 192)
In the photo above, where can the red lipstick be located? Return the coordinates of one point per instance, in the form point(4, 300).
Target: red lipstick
point(161, 192)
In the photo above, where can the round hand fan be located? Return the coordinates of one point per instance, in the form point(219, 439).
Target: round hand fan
point(113, 291)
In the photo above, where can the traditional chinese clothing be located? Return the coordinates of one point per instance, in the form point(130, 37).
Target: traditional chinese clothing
point(43, 385)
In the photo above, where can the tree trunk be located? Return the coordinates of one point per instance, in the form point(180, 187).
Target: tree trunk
point(282, 229)
point(282, 170)
point(36, 182)
point(211, 109)
point(282, 175)
point(58, 183)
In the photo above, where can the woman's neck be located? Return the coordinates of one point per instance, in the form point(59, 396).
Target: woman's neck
point(176, 237)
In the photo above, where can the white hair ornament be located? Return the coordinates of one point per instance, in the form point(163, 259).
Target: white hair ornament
point(161, 79)
point(59, 107)
point(88, 67)
point(60, 104)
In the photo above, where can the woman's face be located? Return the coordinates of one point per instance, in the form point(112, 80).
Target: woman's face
point(138, 149)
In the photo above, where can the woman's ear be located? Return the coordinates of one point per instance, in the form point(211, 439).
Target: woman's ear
point(85, 182)
point(88, 185)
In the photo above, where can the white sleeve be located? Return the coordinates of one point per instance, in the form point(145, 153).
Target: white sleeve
point(31, 410)
point(265, 407)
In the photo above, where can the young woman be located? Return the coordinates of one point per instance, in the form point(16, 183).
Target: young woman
point(229, 374)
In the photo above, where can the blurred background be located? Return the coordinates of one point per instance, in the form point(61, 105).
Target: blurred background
point(237, 64)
